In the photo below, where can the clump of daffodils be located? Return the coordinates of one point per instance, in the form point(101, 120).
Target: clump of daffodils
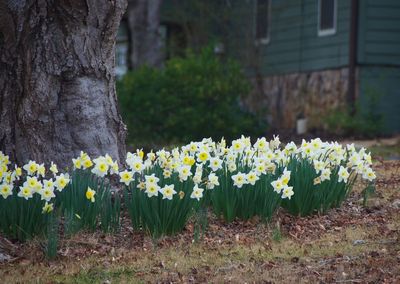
point(239, 180)
point(207, 164)
point(30, 180)
point(203, 162)
point(27, 196)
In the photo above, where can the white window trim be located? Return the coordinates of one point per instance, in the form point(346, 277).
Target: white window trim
point(267, 39)
point(327, 32)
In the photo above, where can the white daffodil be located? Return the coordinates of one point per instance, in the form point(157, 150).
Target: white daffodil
point(47, 193)
point(152, 189)
point(212, 181)
point(5, 190)
point(277, 185)
point(25, 192)
point(151, 178)
point(215, 164)
point(62, 181)
point(287, 192)
point(343, 174)
point(239, 180)
point(31, 168)
point(126, 177)
point(252, 177)
point(197, 193)
point(168, 192)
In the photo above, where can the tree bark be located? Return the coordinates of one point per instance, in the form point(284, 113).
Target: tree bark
point(57, 88)
point(146, 47)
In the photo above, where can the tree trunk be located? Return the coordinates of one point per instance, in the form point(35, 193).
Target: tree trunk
point(57, 88)
point(146, 47)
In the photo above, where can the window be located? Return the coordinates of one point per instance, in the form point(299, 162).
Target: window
point(263, 14)
point(121, 50)
point(121, 56)
point(175, 39)
point(327, 17)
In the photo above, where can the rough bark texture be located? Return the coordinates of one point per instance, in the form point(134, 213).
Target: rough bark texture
point(57, 89)
point(146, 46)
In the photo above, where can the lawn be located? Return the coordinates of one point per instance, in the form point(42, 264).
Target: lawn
point(353, 244)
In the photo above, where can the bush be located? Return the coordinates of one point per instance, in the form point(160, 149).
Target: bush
point(367, 120)
point(362, 124)
point(192, 97)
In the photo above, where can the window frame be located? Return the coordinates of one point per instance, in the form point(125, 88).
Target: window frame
point(264, 40)
point(327, 32)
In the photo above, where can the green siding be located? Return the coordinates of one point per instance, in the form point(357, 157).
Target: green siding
point(282, 53)
point(379, 32)
point(382, 82)
point(324, 52)
point(294, 38)
point(294, 44)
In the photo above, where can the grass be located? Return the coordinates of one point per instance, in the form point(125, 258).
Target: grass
point(386, 151)
point(276, 234)
point(234, 261)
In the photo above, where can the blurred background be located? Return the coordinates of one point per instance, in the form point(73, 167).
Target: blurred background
point(222, 68)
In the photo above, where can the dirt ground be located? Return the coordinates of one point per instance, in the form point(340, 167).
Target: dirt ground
point(353, 244)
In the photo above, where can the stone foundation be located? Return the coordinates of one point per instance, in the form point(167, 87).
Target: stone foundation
point(284, 98)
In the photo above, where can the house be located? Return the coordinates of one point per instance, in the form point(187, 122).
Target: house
point(306, 57)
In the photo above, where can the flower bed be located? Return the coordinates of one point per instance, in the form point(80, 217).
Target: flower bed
point(162, 190)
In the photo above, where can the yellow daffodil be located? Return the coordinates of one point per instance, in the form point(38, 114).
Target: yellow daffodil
point(47, 208)
point(90, 193)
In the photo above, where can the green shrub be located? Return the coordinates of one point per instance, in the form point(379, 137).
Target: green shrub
point(363, 124)
point(192, 97)
point(367, 120)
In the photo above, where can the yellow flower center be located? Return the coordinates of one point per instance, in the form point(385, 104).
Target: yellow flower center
point(103, 167)
point(186, 160)
point(203, 156)
point(90, 194)
point(88, 163)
